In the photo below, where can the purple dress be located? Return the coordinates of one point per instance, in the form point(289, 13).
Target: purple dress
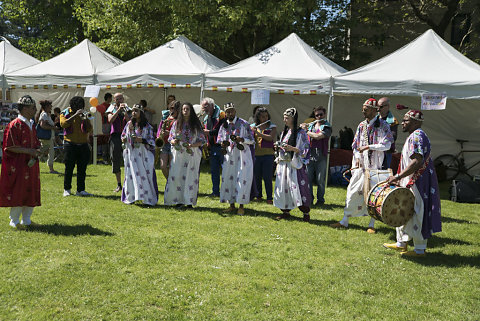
point(425, 180)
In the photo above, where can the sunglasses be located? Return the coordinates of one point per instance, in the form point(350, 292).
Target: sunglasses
point(319, 115)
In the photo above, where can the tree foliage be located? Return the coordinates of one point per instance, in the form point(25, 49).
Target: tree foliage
point(346, 31)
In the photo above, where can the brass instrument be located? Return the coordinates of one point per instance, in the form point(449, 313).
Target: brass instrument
point(160, 140)
point(233, 138)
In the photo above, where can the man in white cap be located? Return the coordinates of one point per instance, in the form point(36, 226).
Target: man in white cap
point(417, 172)
point(235, 137)
point(372, 138)
point(20, 177)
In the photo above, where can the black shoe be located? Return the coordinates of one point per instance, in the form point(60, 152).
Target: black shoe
point(319, 203)
point(189, 206)
point(284, 216)
point(214, 195)
point(178, 205)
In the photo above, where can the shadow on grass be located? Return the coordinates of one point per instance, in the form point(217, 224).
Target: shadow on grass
point(107, 197)
point(448, 260)
point(455, 220)
point(69, 230)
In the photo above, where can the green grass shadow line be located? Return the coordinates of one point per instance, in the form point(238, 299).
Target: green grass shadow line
point(436, 259)
point(69, 230)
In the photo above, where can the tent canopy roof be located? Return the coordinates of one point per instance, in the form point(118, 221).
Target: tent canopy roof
point(12, 59)
point(289, 64)
point(177, 61)
point(427, 64)
point(78, 65)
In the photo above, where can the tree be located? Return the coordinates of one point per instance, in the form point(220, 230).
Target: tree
point(46, 27)
point(231, 30)
point(381, 26)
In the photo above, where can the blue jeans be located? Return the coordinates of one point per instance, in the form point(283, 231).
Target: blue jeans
point(263, 168)
point(387, 160)
point(216, 161)
point(316, 174)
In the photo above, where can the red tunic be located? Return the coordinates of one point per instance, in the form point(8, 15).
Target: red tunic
point(19, 183)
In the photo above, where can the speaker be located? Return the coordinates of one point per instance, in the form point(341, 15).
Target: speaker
point(465, 191)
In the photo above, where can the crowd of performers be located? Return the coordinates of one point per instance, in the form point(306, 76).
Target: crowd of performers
point(241, 156)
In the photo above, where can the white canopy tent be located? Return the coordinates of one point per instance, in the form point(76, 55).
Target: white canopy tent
point(77, 66)
point(62, 77)
point(178, 62)
point(12, 59)
point(177, 67)
point(426, 65)
point(295, 73)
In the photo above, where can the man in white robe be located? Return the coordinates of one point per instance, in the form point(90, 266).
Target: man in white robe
point(372, 138)
point(235, 137)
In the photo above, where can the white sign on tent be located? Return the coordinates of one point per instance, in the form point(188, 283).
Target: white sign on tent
point(434, 101)
point(92, 91)
point(260, 97)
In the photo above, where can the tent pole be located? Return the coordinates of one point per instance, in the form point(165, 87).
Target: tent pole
point(95, 147)
point(202, 87)
point(329, 118)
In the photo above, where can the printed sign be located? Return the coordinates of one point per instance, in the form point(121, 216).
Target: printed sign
point(92, 91)
point(260, 97)
point(434, 101)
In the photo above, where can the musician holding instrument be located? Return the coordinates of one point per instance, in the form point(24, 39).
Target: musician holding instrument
point(212, 122)
point(140, 182)
point(265, 134)
point(117, 118)
point(417, 172)
point(76, 129)
point(162, 137)
point(235, 136)
point(291, 185)
point(372, 138)
point(186, 137)
point(318, 132)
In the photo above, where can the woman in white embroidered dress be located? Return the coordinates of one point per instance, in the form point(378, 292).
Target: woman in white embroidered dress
point(186, 138)
point(291, 185)
point(139, 157)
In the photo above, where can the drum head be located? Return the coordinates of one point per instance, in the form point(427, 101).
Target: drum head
point(398, 207)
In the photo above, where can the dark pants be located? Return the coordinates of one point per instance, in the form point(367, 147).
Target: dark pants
point(216, 161)
point(387, 160)
point(78, 154)
point(116, 152)
point(263, 169)
point(317, 169)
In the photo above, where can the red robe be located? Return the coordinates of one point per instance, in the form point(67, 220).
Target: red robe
point(19, 183)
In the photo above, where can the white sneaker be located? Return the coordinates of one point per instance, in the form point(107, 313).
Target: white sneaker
point(83, 193)
point(67, 192)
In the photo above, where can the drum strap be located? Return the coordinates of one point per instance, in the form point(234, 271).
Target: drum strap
point(417, 174)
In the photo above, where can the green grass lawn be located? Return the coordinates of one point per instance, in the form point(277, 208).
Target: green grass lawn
point(96, 258)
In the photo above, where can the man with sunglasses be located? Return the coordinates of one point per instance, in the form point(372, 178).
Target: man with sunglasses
point(386, 115)
point(318, 132)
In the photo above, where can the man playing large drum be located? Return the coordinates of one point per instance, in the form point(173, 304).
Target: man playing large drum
point(372, 139)
point(416, 171)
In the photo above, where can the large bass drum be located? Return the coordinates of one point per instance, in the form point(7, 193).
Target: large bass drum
point(393, 205)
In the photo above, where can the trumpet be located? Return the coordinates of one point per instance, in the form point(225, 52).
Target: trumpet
point(240, 146)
